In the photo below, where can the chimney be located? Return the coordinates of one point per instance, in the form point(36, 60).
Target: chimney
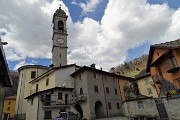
point(112, 70)
point(93, 65)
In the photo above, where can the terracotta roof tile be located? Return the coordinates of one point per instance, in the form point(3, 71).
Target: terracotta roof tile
point(171, 44)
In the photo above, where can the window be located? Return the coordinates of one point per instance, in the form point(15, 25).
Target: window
point(31, 101)
point(146, 81)
point(33, 74)
point(9, 102)
point(81, 91)
point(117, 105)
point(96, 88)
point(79, 76)
point(8, 108)
point(115, 91)
point(109, 106)
point(114, 80)
point(94, 75)
point(140, 104)
point(52, 91)
point(36, 87)
point(60, 25)
point(107, 90)
point(149, 91)
point(59, 96)
point(174, 62)
point(47, 115)
point(47, 81)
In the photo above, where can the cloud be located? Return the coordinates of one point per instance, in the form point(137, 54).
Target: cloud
point(28, 28)
point(125, 24)
point(89, 6)
point(22, 63)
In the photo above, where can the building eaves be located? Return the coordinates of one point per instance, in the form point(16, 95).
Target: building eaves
point(4, 70)
point(98, 71)
point(168, 45)
point(48, 90)
point(43, 75)
point(32, 66)
point(51, 71)
point(10, 98)
point(142, 74)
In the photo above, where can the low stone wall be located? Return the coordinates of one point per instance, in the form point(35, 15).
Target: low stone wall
point(172, 106)
point(140, 108)
point(146, 108)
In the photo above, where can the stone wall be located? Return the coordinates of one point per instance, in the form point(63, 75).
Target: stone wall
point(172, 106)
point(140, 108)
point(147, 108)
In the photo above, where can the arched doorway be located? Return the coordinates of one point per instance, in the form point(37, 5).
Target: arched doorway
point(99, 110)
point(79, 109)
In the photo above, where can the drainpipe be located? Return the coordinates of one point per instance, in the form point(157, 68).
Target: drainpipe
point(38, 106)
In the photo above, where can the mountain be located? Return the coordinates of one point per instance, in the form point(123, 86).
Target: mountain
point(131, 68)
point(11, 91)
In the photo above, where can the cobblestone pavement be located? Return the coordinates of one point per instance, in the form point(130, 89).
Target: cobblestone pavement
point(114, 118)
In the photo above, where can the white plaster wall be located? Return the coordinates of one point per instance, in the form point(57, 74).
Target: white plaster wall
point(32, 110)
point(63, 78)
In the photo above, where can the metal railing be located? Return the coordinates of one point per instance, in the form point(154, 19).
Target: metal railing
point(81, 97)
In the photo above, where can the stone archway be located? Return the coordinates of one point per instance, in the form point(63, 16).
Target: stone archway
point(99, 110)
point(79, 109)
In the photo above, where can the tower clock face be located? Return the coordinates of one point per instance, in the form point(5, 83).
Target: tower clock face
point(60, 41)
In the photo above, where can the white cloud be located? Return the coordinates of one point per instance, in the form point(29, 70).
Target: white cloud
point(21, 63)
point(125, 24)
point(89, 6)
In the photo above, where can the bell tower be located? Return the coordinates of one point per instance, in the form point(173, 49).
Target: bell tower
point(59, 38)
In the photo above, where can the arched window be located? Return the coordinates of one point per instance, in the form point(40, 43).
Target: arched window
point(60, 25)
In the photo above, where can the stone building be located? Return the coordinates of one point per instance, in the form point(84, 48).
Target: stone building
point(97, 93)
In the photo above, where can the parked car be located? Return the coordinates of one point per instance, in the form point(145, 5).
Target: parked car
point(67, 116)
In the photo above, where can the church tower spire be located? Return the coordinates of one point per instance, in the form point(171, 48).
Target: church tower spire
point(59, 38)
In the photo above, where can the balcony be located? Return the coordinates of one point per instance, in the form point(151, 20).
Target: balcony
point(173, 69)
point(57, 103)
point(81, 98)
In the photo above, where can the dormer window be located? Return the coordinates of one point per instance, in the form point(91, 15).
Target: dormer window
point(60, 25)
point(171, 65)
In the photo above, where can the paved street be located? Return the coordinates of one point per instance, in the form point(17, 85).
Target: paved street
point(114, 118)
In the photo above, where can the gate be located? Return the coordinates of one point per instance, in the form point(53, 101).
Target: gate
point(161, 110)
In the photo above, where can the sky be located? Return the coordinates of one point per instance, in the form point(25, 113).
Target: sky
point(104, 32)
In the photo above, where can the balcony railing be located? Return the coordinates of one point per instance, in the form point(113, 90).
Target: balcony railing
point(57, 103)
point(81, 98)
